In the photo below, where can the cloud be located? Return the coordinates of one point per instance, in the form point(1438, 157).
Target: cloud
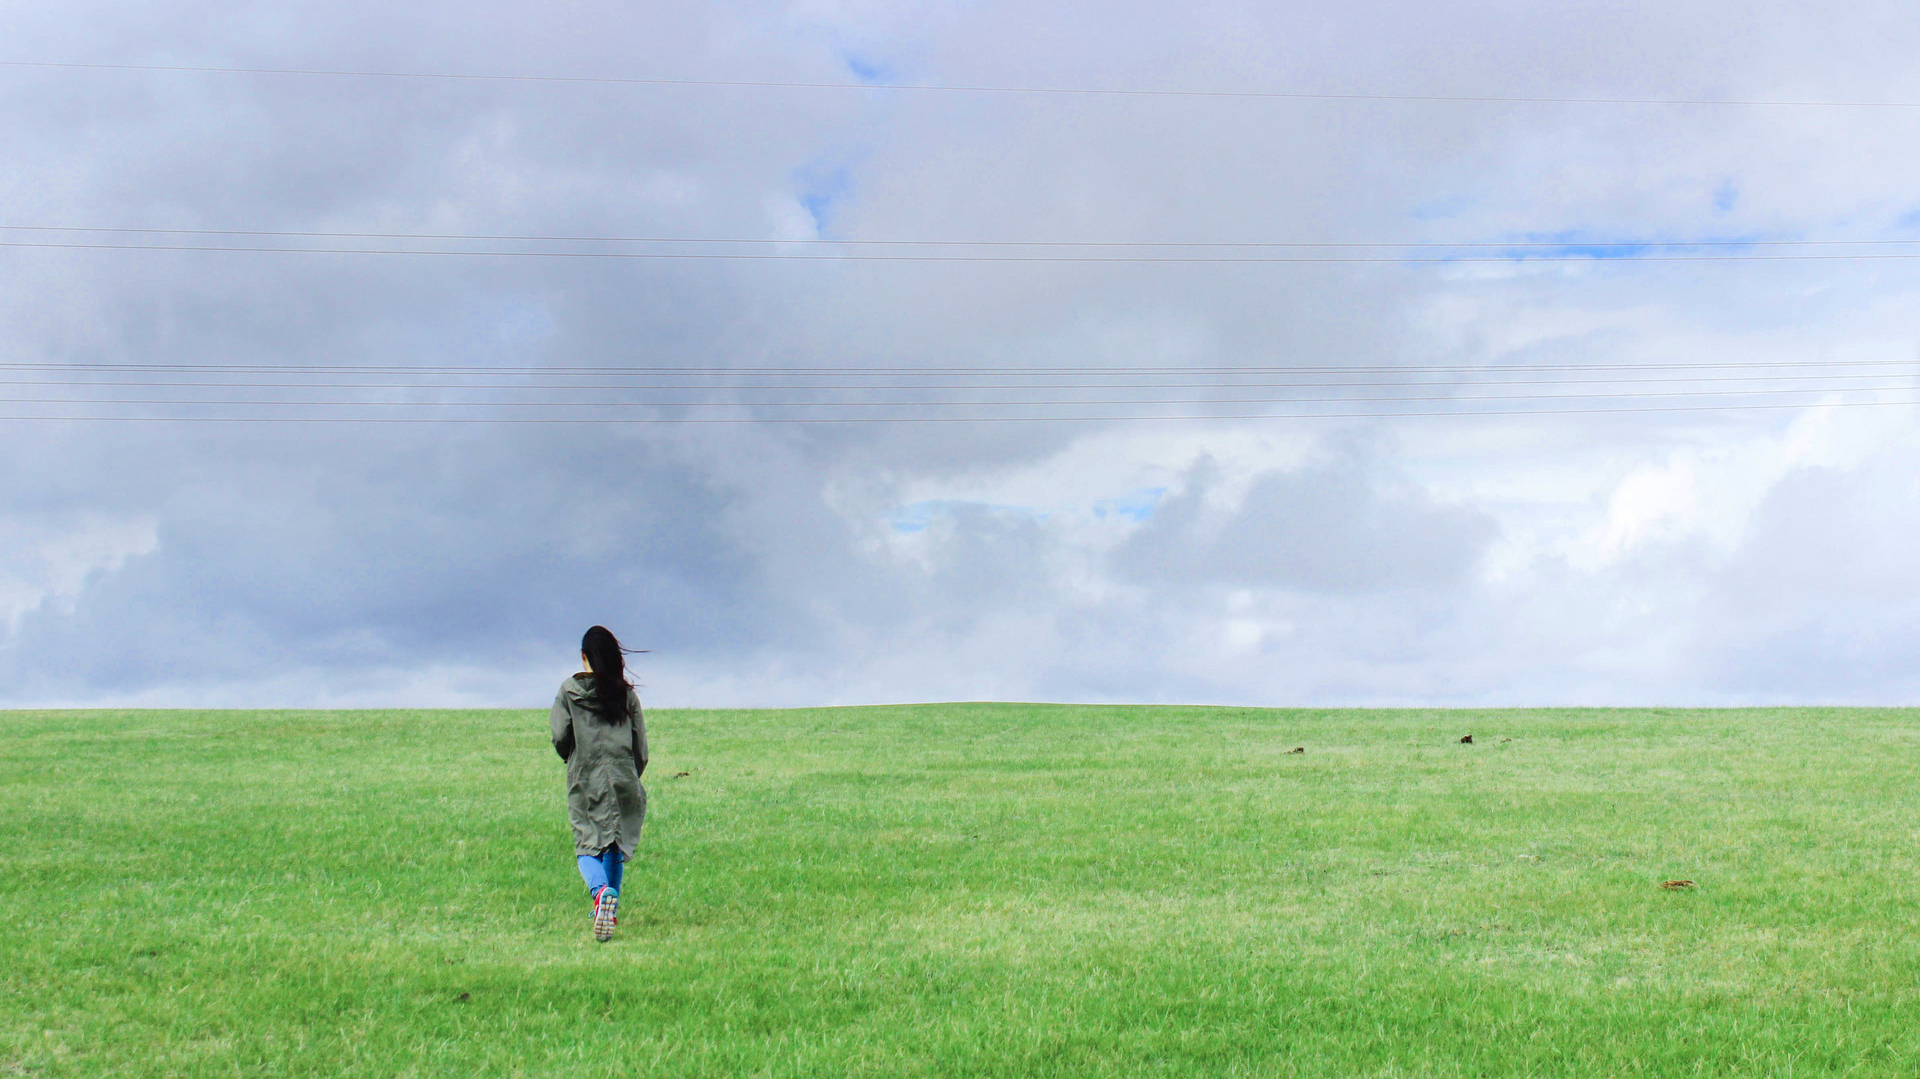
point(1677, 557)
point(409, 551)
point(1338, 524)
point(1821, 600)
point(52, 561)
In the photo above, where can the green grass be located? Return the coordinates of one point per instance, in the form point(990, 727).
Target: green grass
point(968, 890)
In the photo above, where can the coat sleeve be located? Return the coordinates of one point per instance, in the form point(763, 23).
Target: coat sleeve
point(639, 732)
point(560, 723)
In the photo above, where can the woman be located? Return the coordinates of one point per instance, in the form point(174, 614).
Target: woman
point(598, 731)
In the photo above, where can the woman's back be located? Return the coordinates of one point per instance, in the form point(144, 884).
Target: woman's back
point(596, 743)
point(599, 731)
point(605, 801)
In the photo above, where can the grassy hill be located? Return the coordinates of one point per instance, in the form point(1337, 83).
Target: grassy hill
point(968, 890)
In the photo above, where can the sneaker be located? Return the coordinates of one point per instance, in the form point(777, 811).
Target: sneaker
point(605, 905)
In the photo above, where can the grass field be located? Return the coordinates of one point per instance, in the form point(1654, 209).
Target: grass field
point(968, 890)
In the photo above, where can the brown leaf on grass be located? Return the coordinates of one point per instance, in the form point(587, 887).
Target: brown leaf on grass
point(1676, 885)
point(1298, 749)
point(1466, 739)
point(681, 775)
point(464, 997)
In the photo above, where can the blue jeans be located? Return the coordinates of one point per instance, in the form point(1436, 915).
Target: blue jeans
point(602, 870)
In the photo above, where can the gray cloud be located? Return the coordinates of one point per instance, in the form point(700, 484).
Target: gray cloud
point(1366, 561)
point(1335, 524)
point(1822, 599)
point(414, 550)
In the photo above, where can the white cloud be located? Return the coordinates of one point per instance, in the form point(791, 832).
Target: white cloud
point(1684, 557)
point(46, 565)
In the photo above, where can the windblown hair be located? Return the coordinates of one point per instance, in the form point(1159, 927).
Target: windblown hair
point(608, 661)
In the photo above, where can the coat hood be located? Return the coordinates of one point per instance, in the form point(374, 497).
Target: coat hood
point(580, 688)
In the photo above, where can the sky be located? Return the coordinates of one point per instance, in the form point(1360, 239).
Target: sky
point(1513, 557)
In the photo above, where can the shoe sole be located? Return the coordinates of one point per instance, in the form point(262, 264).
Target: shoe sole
point(603, 915)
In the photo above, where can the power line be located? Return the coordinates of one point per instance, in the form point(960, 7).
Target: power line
point(1092, 91)
point(852, 372)
point(730, 256)
point(787, 387)
point(316, 403)
point(828, 241)
point(824, 420)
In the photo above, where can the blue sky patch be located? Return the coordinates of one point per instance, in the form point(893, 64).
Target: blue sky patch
point(1134, 506)
point(1623, 250)
point(823, 189)
point(1577, 243)
point(869, 71)
point(1726, 195)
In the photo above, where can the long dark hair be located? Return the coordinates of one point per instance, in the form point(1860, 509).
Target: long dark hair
point(609, 664)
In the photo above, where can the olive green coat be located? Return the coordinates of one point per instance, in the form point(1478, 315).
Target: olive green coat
point(605, 801)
